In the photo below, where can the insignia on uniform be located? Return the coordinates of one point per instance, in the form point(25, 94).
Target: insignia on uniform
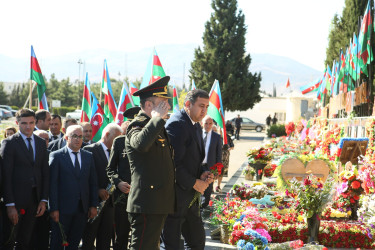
point(161, 140)
point(141, 118)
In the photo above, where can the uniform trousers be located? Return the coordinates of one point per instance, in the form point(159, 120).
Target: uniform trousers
point(146, 230)
point(188, 222)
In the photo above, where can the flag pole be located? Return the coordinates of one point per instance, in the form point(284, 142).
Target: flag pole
point(369, 72)
point(101, 88)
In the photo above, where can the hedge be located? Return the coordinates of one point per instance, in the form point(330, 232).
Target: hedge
point(278, 130)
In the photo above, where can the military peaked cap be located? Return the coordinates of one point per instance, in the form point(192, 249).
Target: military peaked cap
point(131, 113)
point(158, 88)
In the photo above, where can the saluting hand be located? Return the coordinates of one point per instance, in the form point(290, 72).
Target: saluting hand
point(161, 110)
point(124, 187)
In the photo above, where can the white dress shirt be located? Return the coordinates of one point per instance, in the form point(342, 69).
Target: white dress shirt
point(73, 157)
point(208, 140)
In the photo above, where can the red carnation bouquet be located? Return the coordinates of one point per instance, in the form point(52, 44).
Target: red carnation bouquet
point(289, 128)
point(217, 168)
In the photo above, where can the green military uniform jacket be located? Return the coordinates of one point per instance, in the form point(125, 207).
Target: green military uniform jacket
point(152, 168)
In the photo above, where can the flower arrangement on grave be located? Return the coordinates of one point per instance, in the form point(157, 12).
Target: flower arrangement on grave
point(348, 192)
point(331, 137)
point(248, 170)
point(269, 170)
point(311, 194)
point(370, 131)
point(290, 128)
point(246, 192)
point(259, 155)
point(367, 174)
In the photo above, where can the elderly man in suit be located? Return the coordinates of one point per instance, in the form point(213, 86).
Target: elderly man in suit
point(185, 134)
point(73, 189)
point(118, 171)
point(101, 228)
point(25, 180)
point(212, 147)
point(152, 195)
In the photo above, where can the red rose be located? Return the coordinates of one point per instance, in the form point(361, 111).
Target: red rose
point(22, 211)
point(210, 203)
point(356, 197)
point(352, 200)
point(65, 244)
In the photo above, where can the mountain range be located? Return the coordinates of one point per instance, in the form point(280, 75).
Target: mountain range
point(175, 58)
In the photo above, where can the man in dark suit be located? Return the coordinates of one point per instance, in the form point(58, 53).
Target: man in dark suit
point(87, 132)
point(118, 171)
point(43, 119)
point(55, 128)
point(101, 228)
point(213, 147)
point(73, 189)
point(152, 194)
point(185, 134)
point(25, 180)
point(60, 143)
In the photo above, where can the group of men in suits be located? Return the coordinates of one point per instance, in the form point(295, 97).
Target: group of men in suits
point(157, 166)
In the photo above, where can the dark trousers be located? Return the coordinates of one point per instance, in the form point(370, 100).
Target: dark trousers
point(146, 230)
point(122, 227)
point(22, 231)
point(73, 225)
point(207, 195)
point(41, 232)
point(188, 222)
point(238, 132)
point(101, 229)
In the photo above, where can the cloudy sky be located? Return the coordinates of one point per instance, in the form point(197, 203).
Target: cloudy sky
point(297, 29)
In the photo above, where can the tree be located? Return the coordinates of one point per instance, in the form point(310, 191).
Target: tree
point(3, 95)
point(223, 57)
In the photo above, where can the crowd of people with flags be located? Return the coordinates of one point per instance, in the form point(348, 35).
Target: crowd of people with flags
point(122, 169)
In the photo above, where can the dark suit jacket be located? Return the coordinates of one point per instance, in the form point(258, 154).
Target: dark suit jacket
point(214, 150)
point(51, 138)
point(66, 188)
point(19, 172)
point(56, 144)
point(101, 162)
point(188, 154)
point(118, 168)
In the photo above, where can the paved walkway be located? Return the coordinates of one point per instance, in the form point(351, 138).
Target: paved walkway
point(237, 162)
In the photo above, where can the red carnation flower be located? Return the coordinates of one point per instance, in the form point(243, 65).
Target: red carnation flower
point(306, 182)
point(352, 200)
point(22, 211)
point(356, 184)
point(210, 203)
point(356, 197)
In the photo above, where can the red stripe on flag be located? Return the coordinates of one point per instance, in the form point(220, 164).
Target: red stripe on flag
point(86, 94)
point(35, 65)
point(215, 100)
point(174, 92)
point(157, 61)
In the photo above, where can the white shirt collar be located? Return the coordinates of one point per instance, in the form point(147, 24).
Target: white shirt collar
point(190, 118)
point(24, 136)
point(71, 151)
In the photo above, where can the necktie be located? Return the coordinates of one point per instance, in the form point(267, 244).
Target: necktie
point(205, 138)
point(109, 152)
point(30, 147)
point(198, 130)
point(76, 164)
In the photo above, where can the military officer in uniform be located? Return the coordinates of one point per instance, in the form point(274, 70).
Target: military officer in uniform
point(118, 171)
point(152, 193)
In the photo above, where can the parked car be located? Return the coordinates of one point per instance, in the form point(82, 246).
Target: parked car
point(76, 114)
point(6, 113)
point(248, 124)
point(7, 107)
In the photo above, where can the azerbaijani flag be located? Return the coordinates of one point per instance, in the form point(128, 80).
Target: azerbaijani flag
point(86, 101)
point(98, 120)
point(154, 70)
point(215, 109)
point(125, 103)
point(193, 85)
point(37, 76)
point(175, 100)
point(110, 107)
point(365, 35)
point(312, 86)
point(132, 89)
